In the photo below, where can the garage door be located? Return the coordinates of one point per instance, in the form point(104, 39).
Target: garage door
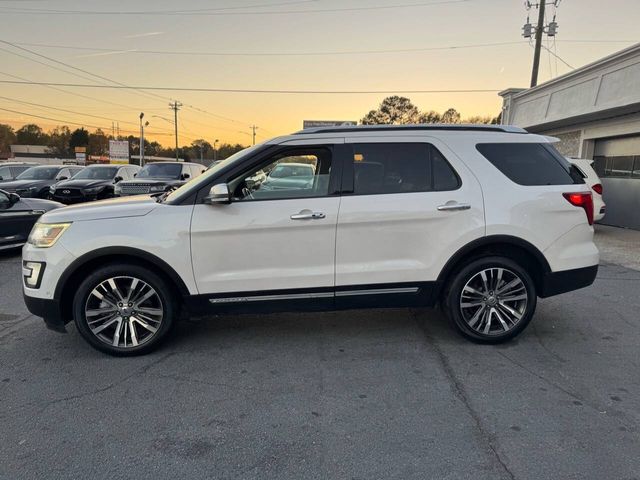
point(617, 161)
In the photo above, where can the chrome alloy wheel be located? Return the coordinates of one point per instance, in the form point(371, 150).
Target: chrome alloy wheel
point(123, 312)
point(493, 301)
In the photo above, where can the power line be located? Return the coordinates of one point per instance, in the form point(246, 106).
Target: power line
point(38, 105)
point(128, 107)
point(559, 58)
point(272, 54)
point(241, 90)
point(73, 68)
point(104, 128)
point(149, 95)
point(151, 12)
point(20, 11)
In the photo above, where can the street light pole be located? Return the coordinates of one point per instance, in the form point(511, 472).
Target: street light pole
point(141, 140)
point(215, 150)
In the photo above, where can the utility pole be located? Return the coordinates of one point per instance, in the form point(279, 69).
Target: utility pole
point(215, 151)
point(536, 54)
point(175, 106)
point(253, 129)
point(551, 29)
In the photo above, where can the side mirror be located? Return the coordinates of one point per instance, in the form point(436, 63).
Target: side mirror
point(1, 178)
point(59, 179)
point(184, 176)
point(13, 198)
point(135, 174)
point(117, 179)
point(219, 194)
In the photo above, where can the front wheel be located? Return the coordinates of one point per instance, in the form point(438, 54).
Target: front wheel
point(124, 309)
point(491, 300)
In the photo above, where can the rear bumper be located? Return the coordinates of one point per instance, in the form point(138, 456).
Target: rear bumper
point(49, 310)
point(555, 283)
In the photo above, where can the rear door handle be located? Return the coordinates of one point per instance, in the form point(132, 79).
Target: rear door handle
point(452, 207)
point(307, 215)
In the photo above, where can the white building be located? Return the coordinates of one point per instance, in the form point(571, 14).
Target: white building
point(595, 112)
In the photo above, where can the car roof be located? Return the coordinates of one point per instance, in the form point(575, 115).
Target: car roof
point(294, 164)
point(414, 127)
point(173, 163)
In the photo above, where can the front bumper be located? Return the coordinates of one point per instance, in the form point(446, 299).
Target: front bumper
point(555, 283)
point(49, 310)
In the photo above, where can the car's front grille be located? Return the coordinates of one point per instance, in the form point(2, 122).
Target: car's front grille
point(135, 188)
point(68, 192)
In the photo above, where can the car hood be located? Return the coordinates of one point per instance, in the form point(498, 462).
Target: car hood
point(16, 184)
point(83, 183)
point(40, 204)
point(102, 209)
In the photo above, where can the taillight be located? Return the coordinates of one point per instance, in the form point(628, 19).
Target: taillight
point(583, 200)
point(597, 188)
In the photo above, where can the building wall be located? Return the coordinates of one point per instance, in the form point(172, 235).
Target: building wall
point(594, 111)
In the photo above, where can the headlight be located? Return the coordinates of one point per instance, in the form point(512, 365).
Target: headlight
point(52, 189)
point(157, 188)
point(45, 235)
point(117, 189)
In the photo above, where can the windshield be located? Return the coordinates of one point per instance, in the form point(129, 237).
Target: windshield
point(39, 173)
point(160, 170)
point(213, 169)
point(96, 173)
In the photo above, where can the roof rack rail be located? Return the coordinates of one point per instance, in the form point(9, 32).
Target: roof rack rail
point(412, 127)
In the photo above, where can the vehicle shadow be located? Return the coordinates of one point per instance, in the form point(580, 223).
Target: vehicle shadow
point(366, 324)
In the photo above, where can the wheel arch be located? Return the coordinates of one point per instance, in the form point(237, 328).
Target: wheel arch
point(517, 249)
point(77, 271)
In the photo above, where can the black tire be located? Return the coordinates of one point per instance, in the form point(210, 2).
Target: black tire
point(165, 301)
point(474, 327)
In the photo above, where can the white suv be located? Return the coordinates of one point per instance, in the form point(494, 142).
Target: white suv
point(482, 220)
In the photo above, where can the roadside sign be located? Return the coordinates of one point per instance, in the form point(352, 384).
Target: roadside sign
point(328, 123)
point(119, 151)
point(81, 155)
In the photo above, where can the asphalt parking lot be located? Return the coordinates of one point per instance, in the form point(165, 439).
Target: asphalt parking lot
point(354, 395)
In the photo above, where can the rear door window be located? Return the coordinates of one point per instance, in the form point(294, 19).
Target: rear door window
point(385, 168)
point(530, 164)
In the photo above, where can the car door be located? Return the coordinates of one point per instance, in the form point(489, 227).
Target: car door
point(271, 245)
point(408, 204)
point(16, 220)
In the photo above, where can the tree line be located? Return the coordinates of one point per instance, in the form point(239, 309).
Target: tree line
point(397, 110)
point(61, 142)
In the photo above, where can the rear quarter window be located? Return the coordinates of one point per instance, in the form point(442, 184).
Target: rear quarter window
point(530, 164)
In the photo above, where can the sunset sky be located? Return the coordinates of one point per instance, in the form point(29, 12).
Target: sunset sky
point(252, 35)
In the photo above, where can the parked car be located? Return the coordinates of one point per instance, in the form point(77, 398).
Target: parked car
point(159, 177)
point(17, 217)
point(480, 219)
point(289, 176)
point(95, 182)
point(214, 163)
point(10, 170)
point(585, 166)
point(35, 181)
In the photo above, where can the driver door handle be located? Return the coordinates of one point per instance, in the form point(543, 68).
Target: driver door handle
point(452, 207)
point(307, 215)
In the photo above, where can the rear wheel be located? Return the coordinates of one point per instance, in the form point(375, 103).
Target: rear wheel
point(491, 300)
point(124, 309)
